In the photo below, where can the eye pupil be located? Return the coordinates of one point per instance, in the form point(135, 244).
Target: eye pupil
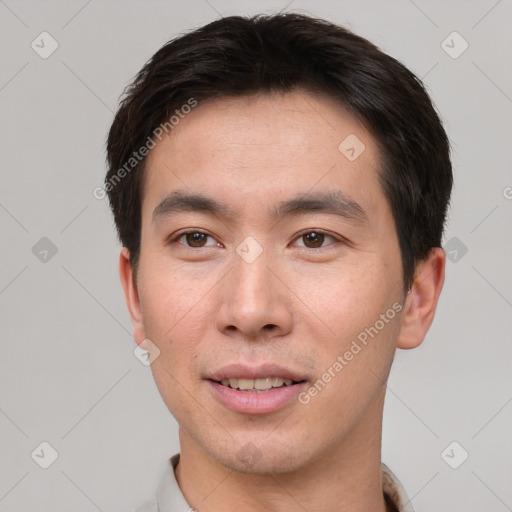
point(196, 239)
point(313, 239)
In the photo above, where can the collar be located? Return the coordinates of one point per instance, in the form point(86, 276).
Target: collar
point(171, 499)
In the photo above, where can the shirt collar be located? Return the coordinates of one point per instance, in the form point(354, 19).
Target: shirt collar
point(171, 499)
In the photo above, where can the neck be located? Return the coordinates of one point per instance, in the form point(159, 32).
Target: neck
point(346, 477)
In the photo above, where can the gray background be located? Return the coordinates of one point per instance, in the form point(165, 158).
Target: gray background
point(68, 375)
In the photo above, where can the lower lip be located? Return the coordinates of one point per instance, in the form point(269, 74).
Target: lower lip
point(251, 402)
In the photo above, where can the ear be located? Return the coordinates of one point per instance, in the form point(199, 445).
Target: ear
point(421, 302)
point(131, 295)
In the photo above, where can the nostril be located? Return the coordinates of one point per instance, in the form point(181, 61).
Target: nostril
point(270, 327)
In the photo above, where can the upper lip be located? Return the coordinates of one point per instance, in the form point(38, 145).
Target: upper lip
point(241, 371)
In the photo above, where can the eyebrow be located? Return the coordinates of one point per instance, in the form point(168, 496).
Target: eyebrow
point(332, 202)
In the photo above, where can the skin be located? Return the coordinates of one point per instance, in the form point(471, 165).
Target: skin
point(296, 305)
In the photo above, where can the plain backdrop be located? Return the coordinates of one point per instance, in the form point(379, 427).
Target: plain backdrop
point(68, 375)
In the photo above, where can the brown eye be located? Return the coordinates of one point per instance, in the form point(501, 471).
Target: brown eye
point(195, 239)
point(313, 239)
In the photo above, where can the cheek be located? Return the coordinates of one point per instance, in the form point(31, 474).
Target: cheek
point(173, 298)
point(346, 297)
point(354, 367)
point(176, 312)
point(358, 319)
point(175, 319)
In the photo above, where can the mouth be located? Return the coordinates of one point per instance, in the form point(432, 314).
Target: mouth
point(260, 385)
point(256, 396)
point(261, 389)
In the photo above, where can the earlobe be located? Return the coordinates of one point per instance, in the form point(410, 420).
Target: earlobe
point(421, 302)
point(131, 294)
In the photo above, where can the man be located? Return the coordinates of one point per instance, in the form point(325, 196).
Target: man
point(280, 188)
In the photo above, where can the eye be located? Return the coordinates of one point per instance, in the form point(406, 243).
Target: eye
point(314, 240)
point(195, 239)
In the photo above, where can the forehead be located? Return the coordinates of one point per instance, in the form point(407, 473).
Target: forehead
point(259, 150)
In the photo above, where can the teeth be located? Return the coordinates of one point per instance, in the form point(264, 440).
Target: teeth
point(262, 384)
point(245, 384)
point(277, 382)
point(256, 384)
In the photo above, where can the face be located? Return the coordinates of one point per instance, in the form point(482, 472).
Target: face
point(268, 252)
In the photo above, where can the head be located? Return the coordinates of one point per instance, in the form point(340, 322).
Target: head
point(279, 185)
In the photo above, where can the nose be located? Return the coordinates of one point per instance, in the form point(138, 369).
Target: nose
point(255, 303)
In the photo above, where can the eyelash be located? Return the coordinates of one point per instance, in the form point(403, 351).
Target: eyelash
point(177, 237)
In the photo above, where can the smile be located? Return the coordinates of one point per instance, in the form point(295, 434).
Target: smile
point(246, 398)
point(257, 385)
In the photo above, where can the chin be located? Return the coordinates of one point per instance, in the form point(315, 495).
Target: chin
point(261, 456)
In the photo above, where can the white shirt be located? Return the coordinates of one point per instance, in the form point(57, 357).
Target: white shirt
point(169, 497)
